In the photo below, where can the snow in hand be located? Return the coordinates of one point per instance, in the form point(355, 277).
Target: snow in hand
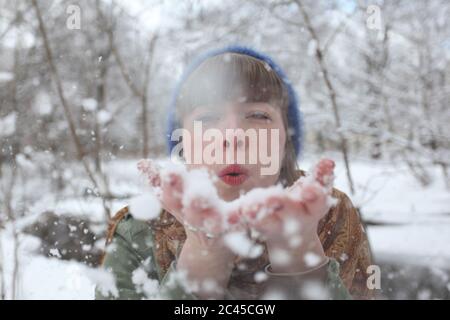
point(192, 192)
point(145, 206)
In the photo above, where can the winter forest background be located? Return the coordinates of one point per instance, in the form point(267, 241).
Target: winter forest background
point(84, 87)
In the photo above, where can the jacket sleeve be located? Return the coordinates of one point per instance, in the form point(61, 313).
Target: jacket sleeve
point(344, 238)
point(338, 291)
point(354, 271)
point(121, 260)
point(131, 250)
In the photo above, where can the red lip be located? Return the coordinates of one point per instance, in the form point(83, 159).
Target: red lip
point(233, 175)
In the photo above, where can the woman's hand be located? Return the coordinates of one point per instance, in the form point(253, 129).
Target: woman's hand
point(288, 220)
point(206, 260)
point(297, 209)
point(197, 211)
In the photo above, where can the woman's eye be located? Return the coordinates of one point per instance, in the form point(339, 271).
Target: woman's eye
point(258, 115)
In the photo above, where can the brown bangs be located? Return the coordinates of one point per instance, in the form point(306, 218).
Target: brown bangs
point(231, 77)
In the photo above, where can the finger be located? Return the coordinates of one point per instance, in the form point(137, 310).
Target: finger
point(250, 212)
point(151, 170)
point(323, 172)
point(143, 165)
point(201, 213)
point(259, 209)
point(234, 216)
point(297, 185)
point(315, 200)
point(269, 224)
point(171, 192)
point(268, 216)
point(295, 204)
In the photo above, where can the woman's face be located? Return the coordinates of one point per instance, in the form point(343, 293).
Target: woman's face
point(242, 144)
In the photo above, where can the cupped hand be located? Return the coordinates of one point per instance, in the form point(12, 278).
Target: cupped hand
point(276, 213)
point(197, 211)
point(296, 210)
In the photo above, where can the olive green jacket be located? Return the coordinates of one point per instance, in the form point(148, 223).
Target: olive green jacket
point(132, 248)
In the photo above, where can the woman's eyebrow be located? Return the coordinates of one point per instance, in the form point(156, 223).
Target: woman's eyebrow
point(197, 110)
point(263, 105)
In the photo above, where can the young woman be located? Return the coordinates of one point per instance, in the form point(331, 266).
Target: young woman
point(239, 88)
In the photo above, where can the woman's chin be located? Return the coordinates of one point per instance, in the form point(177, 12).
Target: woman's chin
point(229, 192)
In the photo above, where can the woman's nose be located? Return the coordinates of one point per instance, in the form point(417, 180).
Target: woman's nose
point(231, 128)
point(232, 141)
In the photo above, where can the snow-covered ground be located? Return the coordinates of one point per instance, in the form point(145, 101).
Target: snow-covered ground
point(417, 229)
point(43, 278)
point(414, 221)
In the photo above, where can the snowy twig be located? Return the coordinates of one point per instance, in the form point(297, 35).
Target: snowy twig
point(331, 91)
point(140, 93)
point(67, 112)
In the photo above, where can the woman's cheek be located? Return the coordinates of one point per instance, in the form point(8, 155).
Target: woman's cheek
point(191, 149)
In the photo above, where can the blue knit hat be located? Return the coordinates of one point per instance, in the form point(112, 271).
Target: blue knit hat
point(295, 120)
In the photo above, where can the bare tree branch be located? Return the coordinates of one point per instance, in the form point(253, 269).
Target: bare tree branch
point(70, 120)
point(331, 92)
point(144, 98)
point(17, 19)
point(140, 93)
